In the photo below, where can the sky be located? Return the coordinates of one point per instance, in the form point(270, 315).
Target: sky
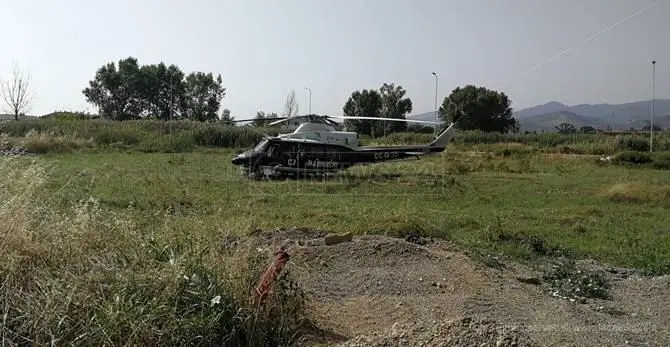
point(535, 51)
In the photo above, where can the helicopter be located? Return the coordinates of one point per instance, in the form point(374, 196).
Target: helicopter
point(316, 148)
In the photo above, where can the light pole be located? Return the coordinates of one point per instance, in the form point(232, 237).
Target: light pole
point(434, 74)
point(653, 96)
point(310, 99)
point(171, 103)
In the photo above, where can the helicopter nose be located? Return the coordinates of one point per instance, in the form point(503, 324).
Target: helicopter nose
point(238, 160)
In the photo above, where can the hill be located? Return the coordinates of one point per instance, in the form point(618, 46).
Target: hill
point(617, 116)
point(549, 121)
point(602, 116)
point(550, 107)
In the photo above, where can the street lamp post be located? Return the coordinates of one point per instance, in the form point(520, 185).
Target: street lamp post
point(653, 97)
point(434, 74)
point(171, 103)
point(310, 99)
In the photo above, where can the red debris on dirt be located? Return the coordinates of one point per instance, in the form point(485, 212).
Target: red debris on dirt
point(269, 276)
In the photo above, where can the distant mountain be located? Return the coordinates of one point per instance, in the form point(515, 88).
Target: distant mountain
point(601, 116)
point(616, 116)
point(550, 107)
point(548, 122)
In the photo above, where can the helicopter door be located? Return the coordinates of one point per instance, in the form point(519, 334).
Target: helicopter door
point(332, 154)
point(273, 151)
point(295, 155)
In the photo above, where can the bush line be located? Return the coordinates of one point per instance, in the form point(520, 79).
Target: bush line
point(57, 135)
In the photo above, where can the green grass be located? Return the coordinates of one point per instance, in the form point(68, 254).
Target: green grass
point(78, 269)
point(477, 200)
point(102, 243)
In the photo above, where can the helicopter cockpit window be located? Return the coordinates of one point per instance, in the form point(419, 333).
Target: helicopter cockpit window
point(261, 146)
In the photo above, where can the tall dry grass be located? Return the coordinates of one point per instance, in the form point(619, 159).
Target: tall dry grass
point(86, 276)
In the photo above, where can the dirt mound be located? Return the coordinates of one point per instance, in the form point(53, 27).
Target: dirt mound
point(365, 266)
point(457, 333)
point(361, 286)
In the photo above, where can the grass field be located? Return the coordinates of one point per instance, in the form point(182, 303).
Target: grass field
point(126, 247)
point(572, 204)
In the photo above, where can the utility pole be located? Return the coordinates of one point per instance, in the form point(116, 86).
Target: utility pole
point(171, 104)
point(434, 74)
point(653, 96)
point(310, 99)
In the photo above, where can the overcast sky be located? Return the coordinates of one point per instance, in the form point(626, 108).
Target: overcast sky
point(534, 50)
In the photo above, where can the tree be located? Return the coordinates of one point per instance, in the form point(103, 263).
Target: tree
point(17, 92)
point(587, 129)
point(203, 94)
point(478, 108)
point(163, 91)
point(365, 103)
point(226, 118)
point(159, 91)
point(566, 128)
point(259, 120)
point(118, 93)
point(394, 105)
point(291, 105)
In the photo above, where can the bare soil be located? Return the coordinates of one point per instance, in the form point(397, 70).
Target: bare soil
point(381, 291)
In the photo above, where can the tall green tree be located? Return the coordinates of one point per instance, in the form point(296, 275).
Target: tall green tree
point(131, 91)
point(117, 92)
point(394, 105)
point(259, 120)
point(365, 103)
point(163, 90)
point(478, 108)
point(226, 117)
point(203, 94)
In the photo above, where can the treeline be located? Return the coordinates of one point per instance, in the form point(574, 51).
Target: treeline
point(471, 107)
point(129, 91)
point(66, 134)
point(126, 90)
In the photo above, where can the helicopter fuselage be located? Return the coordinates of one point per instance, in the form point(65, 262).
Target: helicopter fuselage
point(318, 149)
point(285, 156)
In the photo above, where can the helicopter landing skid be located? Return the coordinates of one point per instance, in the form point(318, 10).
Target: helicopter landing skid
point(263, 173)
point(274, 172)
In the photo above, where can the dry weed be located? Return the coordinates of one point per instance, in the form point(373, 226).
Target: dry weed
point(636, 192)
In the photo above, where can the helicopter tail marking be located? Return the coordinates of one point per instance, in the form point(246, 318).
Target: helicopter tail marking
point(443, 139)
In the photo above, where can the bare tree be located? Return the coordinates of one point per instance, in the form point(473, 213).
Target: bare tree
point(291, 105)
point(17, 93)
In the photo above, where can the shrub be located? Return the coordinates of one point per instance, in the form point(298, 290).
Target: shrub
point(39, 143)
point(633, 157)
point(634, 143)
point(661, 161)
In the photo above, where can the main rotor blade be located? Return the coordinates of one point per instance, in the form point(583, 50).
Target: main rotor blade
point(258, 119)
point(283, 119)
point(387, 119)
